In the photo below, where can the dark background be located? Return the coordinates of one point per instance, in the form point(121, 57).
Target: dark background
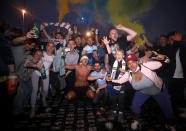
point(164, 16)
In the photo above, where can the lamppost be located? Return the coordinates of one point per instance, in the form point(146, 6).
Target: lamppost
point(23, 22)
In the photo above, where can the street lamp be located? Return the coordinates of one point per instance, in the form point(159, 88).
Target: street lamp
point(23, 13)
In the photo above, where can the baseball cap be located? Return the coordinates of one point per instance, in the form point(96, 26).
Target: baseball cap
point(130, 57)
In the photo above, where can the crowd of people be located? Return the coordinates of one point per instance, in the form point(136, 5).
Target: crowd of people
point(111, 71)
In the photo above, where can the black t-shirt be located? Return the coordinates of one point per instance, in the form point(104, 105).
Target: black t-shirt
point(121, 43)
point(79, 49)
point(6, 56)
point(162, 50)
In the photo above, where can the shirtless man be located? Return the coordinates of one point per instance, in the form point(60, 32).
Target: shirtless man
point(82, 71)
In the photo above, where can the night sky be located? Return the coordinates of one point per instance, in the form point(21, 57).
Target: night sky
point(164, 16)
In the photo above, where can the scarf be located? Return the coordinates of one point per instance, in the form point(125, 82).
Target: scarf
point(63, 24)
point(115, 68)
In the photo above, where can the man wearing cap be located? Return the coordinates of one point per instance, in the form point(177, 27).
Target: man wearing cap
point(81, 84)
point(146, 83)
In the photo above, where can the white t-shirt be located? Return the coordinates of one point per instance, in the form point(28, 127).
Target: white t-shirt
point(47, 61)
point(179, 70)
point(89, 48)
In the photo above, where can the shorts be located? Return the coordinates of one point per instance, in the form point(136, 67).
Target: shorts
point(80, 91)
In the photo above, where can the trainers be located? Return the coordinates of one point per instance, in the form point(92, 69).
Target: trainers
point(112, 115)
point(134, 125)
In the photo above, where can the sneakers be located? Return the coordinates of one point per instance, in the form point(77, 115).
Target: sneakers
point(112, 115)
point(134, 125)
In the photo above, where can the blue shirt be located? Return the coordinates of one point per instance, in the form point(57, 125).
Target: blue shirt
point(91, 61)
point(99, 81)
point(101, 51)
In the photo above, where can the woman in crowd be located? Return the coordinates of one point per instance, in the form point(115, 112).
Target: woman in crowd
point(46, 61)
point(146, 83)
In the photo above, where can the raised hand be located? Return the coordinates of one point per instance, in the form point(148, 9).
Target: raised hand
point(119, 27)
point(42, 26)
point(155, 53)
point(30, 33)
point(70, 32)
point(160, 57)
point(105, 40)
point(67, 26)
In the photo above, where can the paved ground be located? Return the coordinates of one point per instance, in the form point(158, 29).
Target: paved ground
point(80, 115)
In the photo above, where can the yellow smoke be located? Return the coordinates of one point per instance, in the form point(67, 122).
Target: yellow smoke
point(63, 7)
point(122, 12)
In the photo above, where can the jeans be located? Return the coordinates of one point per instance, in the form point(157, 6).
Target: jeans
point(44, 90)
point(18, 101)
point(118, 99)
point(27, 89)
point(162, 98)
point(176, 90)
point(100, 97)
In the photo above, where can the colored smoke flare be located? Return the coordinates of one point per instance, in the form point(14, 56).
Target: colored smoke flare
point(122, 12)
point(63, 7)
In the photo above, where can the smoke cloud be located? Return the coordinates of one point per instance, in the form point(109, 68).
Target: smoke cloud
point(124, 11)
point(108, 11)
point(63, 7)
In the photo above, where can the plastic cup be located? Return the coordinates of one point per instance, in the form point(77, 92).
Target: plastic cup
point(12, 83)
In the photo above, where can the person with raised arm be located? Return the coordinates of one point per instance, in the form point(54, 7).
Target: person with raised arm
point(147, 84)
